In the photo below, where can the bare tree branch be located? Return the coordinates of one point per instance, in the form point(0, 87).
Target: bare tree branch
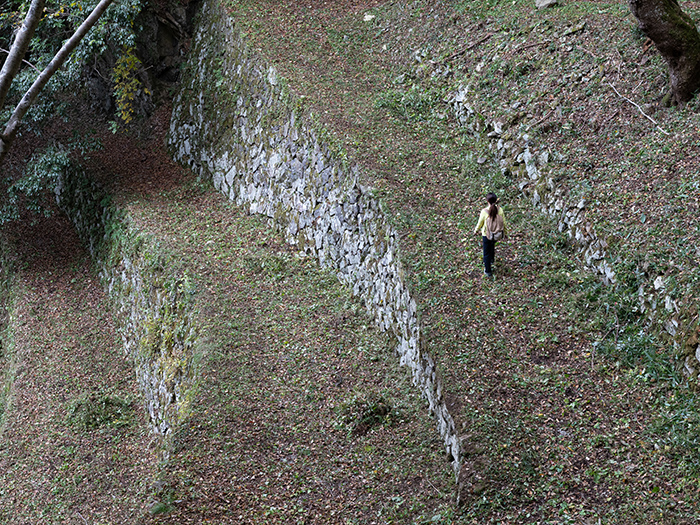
point(19, 48)
point(662, 130)
point(24, 61)
point(8, 136)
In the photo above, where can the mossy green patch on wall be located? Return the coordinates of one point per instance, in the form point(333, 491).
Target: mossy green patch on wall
point(151, 297)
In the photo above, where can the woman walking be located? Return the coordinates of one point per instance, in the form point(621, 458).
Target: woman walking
point(492, 224)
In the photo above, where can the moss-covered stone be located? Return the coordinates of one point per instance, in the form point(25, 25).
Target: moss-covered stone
point(152, 300)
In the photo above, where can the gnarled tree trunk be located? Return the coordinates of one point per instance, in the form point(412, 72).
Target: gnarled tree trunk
point(676, 37)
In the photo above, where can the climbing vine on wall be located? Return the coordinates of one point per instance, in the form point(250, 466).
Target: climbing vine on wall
point(127, 84)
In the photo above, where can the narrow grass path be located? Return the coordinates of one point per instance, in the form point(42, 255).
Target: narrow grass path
point(73, 446)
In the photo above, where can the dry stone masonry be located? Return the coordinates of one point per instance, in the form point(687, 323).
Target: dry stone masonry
point(152, 305)
point(521, 158)
point(234, 123)
point(518, 156)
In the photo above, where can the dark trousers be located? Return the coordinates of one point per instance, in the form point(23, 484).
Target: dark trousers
point(489, 254)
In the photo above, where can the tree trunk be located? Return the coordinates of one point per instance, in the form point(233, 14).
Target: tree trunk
point(8, 136)
point(19, 48)
point(675, 36)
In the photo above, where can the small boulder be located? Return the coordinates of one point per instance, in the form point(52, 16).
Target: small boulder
point(541, 4)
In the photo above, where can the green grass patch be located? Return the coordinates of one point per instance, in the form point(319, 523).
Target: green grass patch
point(95, 410)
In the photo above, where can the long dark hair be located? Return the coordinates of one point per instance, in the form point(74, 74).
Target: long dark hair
point(493, 209)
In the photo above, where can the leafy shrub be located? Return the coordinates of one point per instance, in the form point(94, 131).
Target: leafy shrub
point(32, 191)
point(414, 104)
point(98, 410)
point(361, 413)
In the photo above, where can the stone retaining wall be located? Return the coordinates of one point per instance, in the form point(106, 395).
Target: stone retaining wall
point(152, 302)
point(520, 157)
point(234, 123)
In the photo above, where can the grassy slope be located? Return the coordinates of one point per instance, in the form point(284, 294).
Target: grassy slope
point(63, 453)
point(554, 432)
point(293, 365)
point(289, 357)
point(290, 421)
point(557, 433)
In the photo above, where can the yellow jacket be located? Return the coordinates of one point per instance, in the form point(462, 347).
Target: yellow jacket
point(481, 225)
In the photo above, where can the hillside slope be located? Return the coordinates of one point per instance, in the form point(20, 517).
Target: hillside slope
point(382, 77)
point(570, 406)
point(302, 409)
point(73, 441)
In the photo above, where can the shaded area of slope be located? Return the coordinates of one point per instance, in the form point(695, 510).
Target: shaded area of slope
point(74, 445)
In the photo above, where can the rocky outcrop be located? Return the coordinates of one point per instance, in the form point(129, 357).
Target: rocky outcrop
point(162, 34)
point(233, 122)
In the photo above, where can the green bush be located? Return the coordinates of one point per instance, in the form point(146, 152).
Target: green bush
point(97, 410)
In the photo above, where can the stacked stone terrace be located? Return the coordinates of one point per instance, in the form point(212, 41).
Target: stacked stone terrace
point(241, 133)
